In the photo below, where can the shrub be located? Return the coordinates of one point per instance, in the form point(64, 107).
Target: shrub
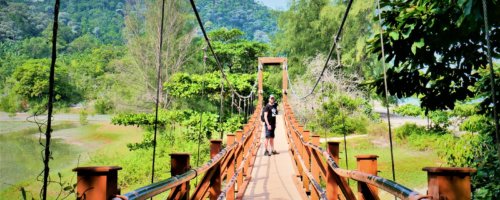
point(476, 151)
point(103, 106)
point(10, 103)
point(408, 129)
point(409, 110)
point(84, 117)
point(474, 123)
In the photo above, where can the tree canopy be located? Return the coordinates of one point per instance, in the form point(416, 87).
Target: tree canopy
point(435, 48)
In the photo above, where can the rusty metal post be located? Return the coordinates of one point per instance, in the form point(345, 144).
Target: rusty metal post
point(449, 182)
point(230, 169)
point(239, 157)
point(307, 161)
point(367, 164)
point(315, 167)
point(332, 187)
point(179, 163)
point(216, 181)
point(100, 183)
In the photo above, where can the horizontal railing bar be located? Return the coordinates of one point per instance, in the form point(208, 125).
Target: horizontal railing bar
point(315, 183)
point(392, 187)
point(162, 186)
point(235, 175)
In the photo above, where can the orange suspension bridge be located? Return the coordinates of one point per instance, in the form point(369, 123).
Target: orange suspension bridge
point(301, 170)
point(239, 170)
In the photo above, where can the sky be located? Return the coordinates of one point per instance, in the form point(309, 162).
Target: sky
point(275, 4)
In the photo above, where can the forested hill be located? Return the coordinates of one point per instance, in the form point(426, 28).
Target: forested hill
point(104, 19)
point(21, 19)
point(255, 19)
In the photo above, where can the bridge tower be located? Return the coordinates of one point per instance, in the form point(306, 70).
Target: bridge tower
point(273, 61)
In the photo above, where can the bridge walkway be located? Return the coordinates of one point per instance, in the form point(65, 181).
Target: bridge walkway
point(274, 177)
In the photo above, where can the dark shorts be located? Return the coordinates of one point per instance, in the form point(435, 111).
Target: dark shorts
point(270, 133)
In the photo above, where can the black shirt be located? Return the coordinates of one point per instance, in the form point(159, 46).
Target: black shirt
point(272, 111)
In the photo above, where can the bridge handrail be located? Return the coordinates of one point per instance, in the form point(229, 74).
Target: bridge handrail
point(169, 183)
point(315, 183)
point(392, 187)
point(238, 171)
point(154, 189)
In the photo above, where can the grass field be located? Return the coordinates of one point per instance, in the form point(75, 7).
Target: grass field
point(408, 163)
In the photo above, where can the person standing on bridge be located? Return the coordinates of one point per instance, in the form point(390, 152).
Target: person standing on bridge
point(270, 112)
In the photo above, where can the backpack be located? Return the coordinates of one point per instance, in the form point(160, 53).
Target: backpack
point(262, 115)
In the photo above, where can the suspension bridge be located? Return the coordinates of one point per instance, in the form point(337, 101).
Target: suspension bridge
point(238, 168)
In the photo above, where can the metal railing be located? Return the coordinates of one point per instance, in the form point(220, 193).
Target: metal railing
point(321, 162)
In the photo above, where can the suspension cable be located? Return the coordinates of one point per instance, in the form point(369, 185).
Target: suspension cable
point(339, 61)
point(221, 108)
point(335, 41)
point(492, 76)
point(217, 61)
point(386, 90)
point(50, 104)
point(201, 113)
point(158, 84)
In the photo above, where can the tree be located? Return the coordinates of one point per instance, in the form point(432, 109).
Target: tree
point(234, 52)
point(142, 34)
point(31, 82)
point(436, 48)
point(308, 28)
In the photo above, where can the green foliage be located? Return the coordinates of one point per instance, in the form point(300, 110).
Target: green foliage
point(342, 114)
point(440, 119)
point(183, 85)
point(464, 110)
point(408, 129)
point(255, 19)
point(476, 151)
point(430, 44)
point(83, 43)
point(234, 52)
point(484, 91)
point(233, 124)
point(36, 47)
point(31, 82)
point(165, 117)
point(103, 106)
point(10, 103)
point(25, 19)
point(201, 126)
point(475, 123)
point(84, 117)
point(409, 110)
point(309, 26)
point(19, 20)
point(419, 138)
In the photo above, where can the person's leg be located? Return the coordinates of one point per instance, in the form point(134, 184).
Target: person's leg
point(266, 144)
point(271, 140)
point(272, 143)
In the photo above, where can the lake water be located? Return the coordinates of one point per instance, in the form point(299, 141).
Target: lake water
point(21, 154)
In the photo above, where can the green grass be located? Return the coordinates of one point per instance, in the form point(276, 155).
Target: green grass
point(408, 163)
